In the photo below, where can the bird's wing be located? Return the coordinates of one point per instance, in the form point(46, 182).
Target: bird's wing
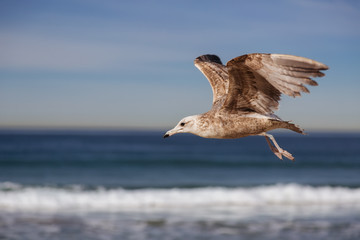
point(216, 73)
point(256, 81)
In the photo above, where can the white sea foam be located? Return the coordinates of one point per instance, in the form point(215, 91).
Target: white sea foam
point(14, 197)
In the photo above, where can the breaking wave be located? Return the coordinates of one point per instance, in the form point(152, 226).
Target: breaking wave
point(16, 197)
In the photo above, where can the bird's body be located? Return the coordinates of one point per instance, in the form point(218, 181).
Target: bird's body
point(246, 92)
point(229, 126)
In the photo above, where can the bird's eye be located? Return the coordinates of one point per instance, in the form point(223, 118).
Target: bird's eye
point(182, 124)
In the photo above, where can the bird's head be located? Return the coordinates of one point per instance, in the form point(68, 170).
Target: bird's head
point(186, 125)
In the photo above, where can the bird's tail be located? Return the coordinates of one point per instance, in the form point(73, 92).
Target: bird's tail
point(293, 127)
point(287, 125)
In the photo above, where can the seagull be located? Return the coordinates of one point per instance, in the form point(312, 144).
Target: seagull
point(246, 92)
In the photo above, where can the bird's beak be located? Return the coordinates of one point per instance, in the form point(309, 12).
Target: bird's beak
point(171, 132)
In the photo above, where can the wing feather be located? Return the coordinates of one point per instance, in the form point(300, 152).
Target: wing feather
point(256, 81)
point(216, 73)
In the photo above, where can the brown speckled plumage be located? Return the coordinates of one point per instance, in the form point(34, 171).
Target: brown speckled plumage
point(246, 92)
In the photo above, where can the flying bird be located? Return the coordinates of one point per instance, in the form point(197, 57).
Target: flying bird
point(246, 92)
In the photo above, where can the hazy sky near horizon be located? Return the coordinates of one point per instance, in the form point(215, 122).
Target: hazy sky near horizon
point(129, 64)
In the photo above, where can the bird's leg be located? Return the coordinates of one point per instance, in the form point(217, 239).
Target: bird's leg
point(273, 149)
point(277, 150)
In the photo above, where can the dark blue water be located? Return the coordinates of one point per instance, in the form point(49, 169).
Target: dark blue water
point(145, 159)
point(131, 182)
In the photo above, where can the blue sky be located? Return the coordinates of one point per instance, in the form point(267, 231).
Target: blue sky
point(129, 64)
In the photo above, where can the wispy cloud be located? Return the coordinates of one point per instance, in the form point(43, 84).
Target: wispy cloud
point(20, 51)
point(85, 42)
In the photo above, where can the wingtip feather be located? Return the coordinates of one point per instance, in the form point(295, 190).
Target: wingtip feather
point(208, 58)
point(291, 60)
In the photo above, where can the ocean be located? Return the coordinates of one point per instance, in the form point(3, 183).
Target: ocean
point(139, 186)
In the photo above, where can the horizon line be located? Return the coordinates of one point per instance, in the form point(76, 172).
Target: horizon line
point(144, 129)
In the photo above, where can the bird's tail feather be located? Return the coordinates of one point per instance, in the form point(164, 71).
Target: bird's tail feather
point(288, 125)
point(294, 127)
